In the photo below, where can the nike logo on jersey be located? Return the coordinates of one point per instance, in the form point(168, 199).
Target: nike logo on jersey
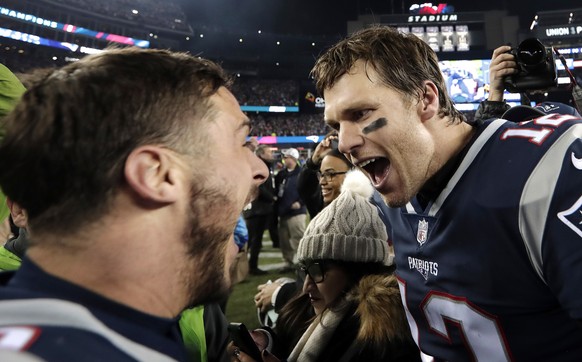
point(577, 162)
point(573, 216)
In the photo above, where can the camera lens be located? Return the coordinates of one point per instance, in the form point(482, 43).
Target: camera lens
point(531, 53)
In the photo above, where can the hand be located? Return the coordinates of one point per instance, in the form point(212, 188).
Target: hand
point(264, 296)
point(502, 64)
point(322, 149)
point(296, 205)
point(261, 340)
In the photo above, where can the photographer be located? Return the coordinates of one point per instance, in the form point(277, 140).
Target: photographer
point(503, 65)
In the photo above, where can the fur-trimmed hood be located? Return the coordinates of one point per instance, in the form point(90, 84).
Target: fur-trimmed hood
point(369, 324)
point(380, 310)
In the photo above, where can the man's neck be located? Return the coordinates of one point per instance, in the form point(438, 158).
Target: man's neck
point(434, 185)
point(103, 268)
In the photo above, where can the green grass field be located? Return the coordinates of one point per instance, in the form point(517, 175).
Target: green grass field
point(241, 306)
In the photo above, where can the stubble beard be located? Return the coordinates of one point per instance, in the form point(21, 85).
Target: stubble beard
point(207, 236)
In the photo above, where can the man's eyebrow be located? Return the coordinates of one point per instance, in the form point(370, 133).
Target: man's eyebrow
point(330, 122)
point(245, 123)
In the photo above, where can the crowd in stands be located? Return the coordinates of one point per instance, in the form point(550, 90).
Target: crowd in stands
point(298, 124)
point(167, 14)
point(287, 124)
point(268, 92)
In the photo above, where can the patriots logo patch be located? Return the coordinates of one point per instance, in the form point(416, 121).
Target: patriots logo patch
point(423, 272)
point(573, 217)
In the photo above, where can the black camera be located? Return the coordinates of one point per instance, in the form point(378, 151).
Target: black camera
point(536, 67)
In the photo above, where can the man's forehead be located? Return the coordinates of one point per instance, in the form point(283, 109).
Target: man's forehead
point(223, 101)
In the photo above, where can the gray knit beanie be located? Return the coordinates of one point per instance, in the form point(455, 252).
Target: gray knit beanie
point(349, 228)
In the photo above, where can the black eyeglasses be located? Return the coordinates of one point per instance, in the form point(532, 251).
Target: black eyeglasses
point(316, 271)
point(329, 175)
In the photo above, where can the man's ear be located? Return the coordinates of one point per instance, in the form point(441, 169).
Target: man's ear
point(19, 216)
point(428, 106)
point(154, 174)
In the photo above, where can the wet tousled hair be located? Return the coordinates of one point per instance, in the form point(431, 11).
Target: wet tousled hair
point(402, 61)
point(68, 139)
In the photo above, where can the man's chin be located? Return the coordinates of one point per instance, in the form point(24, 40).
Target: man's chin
point(218, 295)
point(394, 201)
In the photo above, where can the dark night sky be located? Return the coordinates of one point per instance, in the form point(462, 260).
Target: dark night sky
point(319, 17)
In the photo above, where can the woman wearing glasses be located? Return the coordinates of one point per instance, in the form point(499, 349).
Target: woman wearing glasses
point(331, 175)
point(326, 160)
point(356, 309)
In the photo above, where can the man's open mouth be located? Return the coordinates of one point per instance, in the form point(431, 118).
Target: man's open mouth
point(376, 168)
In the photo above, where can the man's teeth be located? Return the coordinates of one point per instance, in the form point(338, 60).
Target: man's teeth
point(365, 163)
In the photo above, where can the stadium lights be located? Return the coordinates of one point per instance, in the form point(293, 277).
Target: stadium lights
point(534, 23)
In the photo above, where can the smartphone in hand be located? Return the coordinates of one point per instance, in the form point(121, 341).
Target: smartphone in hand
point(334, 144)
point(243, 340)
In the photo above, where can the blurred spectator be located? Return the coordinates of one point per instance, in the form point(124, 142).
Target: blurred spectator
point(260, 212)
point(290, 208)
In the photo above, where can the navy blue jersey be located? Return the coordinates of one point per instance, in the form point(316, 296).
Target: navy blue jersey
point(105, 330)
point(491, 270)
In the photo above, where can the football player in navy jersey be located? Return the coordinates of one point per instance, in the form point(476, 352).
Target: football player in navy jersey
point(486, 218)
point(110, 158)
